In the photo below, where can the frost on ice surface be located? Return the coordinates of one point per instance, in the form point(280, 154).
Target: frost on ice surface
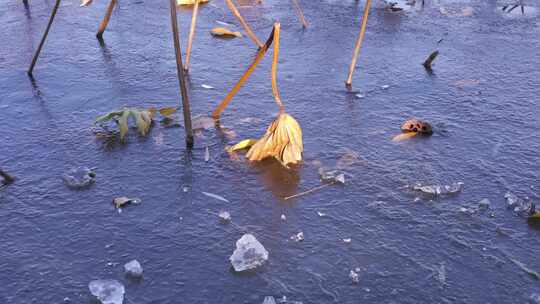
point(249, 253)
point(133, 269)
point(107, 291)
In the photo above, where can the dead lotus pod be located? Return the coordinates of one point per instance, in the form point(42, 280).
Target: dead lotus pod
point(415, 125)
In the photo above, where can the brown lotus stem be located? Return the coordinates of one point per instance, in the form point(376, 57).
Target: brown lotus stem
point(300, 13)
point(260, 55)
point(249, 32)
point(8, 179)
point(191, 33)
point(106, 18)
point(181, 76)
point(275, 59)
point(429, 61)
point(42, 42)
point(358, 45)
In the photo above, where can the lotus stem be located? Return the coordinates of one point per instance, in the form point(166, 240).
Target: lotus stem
point(260, 55)
point(309, 191)
point(358, 44)
point(191, 33)
point(181, 76)
point(249, 32)
point(300, 13)
point(36, 55)
point(106, 18)
point(275, 59)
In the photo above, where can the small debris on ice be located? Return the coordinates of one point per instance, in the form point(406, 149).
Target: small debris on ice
point(206, 154)
point(321, 214)
point(133, 269)
point(249, 253)
point(79, 178)
point(355, 277)
point(283, 217)
point(208, 87)
point(347, 241)
point(385, 87)
point(107, 291)
point(332, 176)
point(269, 300)
point(218, 197)
point(120, 202)
point(224, 216)
point(298, 237)
point(519, 205)
point(437, 190)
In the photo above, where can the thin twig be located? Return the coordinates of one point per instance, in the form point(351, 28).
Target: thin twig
point(106, 18)
point(191, 33)
point(181, 76)
point(275, 59)
point(300, 13)
point(249, 32)
point(42, 42)
point(358, 44)
point(310, 190)
point(260, 55)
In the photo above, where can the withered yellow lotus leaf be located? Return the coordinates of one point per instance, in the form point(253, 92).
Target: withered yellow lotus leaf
point(283, 140)
point(225, 32)
point(189, 2)
point(244, 144)
point(167, 111)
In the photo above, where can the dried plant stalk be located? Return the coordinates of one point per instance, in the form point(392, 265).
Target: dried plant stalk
point(45, 34)
point(358, 44)
point(191, 33)
point(249, 32)
point(260, 55)
point(283, 138)
point(106, 18)
point(300, 13)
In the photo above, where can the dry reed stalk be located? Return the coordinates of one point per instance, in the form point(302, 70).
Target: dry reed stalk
point(248, 29)
point(358, 44)
point(42, 42)
point(106, 18)
point(300, 13)
point(191, 33)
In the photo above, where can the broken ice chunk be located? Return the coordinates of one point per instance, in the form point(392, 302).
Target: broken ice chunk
point(355, 277)
point(298, 237)
point(79, 178)
point(249, 253)
point(133, 269)
point(436, 190)
point(107, 291)
point(224, 216)
point(269, 300)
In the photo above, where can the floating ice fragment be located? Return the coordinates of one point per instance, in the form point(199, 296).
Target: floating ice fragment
point(79, 178)
point(249, 253)
point(133, 269)
point(298, 237)
point(355, 277)
point(218, 197)
point(436, 190)
point(269, 300)
point(107, 291)
point(224, 216)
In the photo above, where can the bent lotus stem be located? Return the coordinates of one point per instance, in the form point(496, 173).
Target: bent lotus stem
point(275, 59)
point(260, 55)
point(106, 18)
point(358, 44)
point(181, 76)
point(42, 42)
point(300, 13)
point(191, 33)
point(249, 32)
